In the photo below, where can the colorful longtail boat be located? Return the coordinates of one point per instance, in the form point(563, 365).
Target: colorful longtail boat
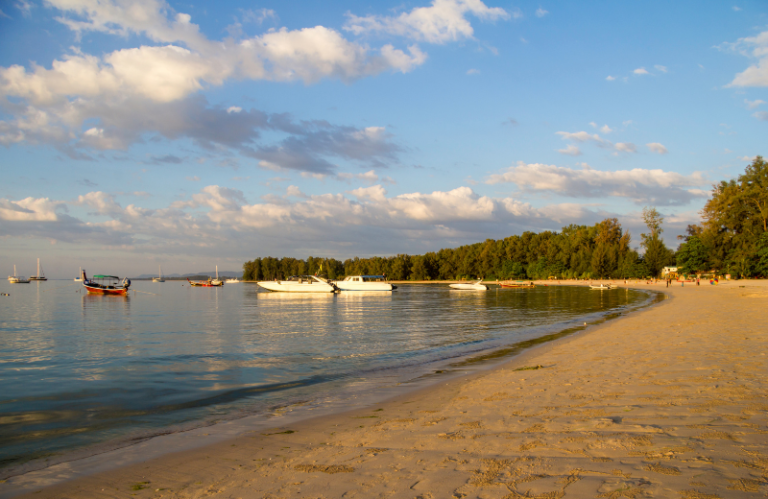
point(106, 284)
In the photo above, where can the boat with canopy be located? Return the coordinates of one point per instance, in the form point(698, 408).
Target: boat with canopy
point(106, 284)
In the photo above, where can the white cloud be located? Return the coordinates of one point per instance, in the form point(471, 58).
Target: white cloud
point(473, 72)
point(441, 22)
point(748, 159)
point(626, 147)
point(193, 179)
point(754, 103)
point(582, 137)
point(640, 185)
point(571, 150)
point(234, 109)
point(755, 47)
point(30, 210)
point(657, 148)
point(606, 129)
point(640, 71)
point(736, 8)
point(761, 115)
point(661, 68)
point(610, 78)
point(541, 12)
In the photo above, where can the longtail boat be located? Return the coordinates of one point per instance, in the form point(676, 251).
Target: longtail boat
point(517, 284)
point(106, 284)
point(210, 283)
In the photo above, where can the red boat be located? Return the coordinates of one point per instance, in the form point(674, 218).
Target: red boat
point(106, 284)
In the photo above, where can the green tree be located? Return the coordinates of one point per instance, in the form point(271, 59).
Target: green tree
point(692, 256)
point(656, 253)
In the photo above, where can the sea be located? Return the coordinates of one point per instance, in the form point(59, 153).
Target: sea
point(83, 373)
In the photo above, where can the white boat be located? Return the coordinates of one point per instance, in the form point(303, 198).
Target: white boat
point(364, 283)
point(234, 280)
point(217, 281)
point(40, 275)
point(300, 284)
point(17, 279)
point(602, 286)
point(159, 277)
point(473, 286)
point(79, 277)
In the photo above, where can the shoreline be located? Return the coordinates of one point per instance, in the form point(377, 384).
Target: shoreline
point(430, 398)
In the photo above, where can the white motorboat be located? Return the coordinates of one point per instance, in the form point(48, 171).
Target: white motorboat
point(159, 277)
point(17, 279)
point(79, 277)
point(234, 280)
point(472, 286)
point(364, 283)
point(601, 287)
point(300, 284)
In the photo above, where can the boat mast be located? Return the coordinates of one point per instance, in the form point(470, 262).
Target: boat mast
point(38, 267)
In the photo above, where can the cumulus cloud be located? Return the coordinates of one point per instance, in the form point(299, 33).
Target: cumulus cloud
point(756, 48)
point(443, 21)
point(540, 12)
point(761, 115)
point(754, 103)
point(640, 71)
point(124, 94)
point(571, 150)
point(657, 148)
point(610, 78)
point(640, 185)
point(585, 137)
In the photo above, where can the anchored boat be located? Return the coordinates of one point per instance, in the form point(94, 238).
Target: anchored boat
point(106, 284)
point(210, 283)
point(159, 277)
point(364, 283)
point(17, 279)
point(300, 284)
point(40, 275)
point(472, 286)
point(517, 284)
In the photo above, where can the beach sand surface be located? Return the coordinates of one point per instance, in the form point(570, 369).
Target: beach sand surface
point(670, 401)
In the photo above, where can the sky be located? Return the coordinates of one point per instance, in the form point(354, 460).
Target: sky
point(192, 134)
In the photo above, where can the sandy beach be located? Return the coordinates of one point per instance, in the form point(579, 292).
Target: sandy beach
point(670, 401)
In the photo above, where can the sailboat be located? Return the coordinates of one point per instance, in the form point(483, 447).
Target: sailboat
point(40, 275)
point(209, 283)
point(79, 277)
point(160, 277)
point(17, 279)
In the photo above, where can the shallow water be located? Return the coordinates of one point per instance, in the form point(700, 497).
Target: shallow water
point(78, 369)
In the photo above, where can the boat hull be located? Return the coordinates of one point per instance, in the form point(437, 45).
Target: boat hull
point(94, 290)
point(295, 287)
point(469, 287)
point(363, 286)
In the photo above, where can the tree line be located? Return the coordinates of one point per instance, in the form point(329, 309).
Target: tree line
point(732, 239)
point(733, 235)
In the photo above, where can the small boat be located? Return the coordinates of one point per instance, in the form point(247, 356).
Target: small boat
point(233, 280)
point(300, 284)
point(40, 275)
point(17, 279)
point(364, 283)
point(517, 284)
point(159, 277)
point(79, 278)
point(106, 284)
point(210, 283)
point(601, 286)
point(472, 286)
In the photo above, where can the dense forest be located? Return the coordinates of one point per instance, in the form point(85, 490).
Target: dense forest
point(733, 238)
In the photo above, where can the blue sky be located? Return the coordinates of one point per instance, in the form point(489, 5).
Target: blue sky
point(141, 133)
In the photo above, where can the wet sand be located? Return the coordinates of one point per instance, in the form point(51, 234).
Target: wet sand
point(671, 401)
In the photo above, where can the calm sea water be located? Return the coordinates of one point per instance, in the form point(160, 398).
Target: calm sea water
point(78, 369)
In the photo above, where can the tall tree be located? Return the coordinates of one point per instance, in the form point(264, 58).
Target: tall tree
point(656, 253)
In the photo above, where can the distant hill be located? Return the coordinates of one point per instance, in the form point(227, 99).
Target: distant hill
point(224, 274)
